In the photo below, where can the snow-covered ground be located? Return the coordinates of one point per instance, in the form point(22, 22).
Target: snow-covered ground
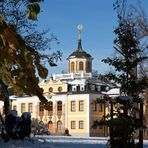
point(58, 142)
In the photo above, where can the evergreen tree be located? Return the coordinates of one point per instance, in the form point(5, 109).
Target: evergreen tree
point(123, 122)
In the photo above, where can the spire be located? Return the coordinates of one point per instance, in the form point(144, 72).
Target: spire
point(79, 27)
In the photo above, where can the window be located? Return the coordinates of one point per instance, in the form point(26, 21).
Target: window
point(94, 106)
point(14, 107)
point(73, 106)
point(81, 66)
point(73, 124)
point(100, 127)
point(50, 89)
point(59, 108)
point(92, 87)
point(81, 124)
point(22, 107)
point(81, 105)
point(74, 88)
point(59, 126)
point(41, 106)
point(50, 106)
point(98, 88)
point(88, 66)
point(78, 88)
point(82, 88)
point(30, 107)
point(72, 66)
point(100, 107)
point(59, 89)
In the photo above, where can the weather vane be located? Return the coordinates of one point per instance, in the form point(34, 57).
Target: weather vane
point(79, 27)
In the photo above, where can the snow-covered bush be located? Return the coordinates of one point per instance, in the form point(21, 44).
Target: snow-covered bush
point(18, 127)
point(39, 128)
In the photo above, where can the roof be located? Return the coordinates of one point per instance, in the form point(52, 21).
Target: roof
point(79, 53)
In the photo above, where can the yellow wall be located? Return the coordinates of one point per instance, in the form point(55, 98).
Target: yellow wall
point(77, 119)
point(77, 112)
point(26, 107)
point(78, 115)
point(55, 85)
point(97, 115)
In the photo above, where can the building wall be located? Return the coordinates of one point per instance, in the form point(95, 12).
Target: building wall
point(1, 106)
point(17, 101)
point(77, 115)
point(97, 111)
point(58, 121)
point(58, 115)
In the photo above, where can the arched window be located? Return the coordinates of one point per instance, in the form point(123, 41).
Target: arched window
point(72, 66)
point(59, 126)
point(50, 122)
point(50, 126)
point(81, 66)
point(50, 106)
point(59, 106)
point(88, 66)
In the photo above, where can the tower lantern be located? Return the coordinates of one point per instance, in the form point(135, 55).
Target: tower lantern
point(80, 61)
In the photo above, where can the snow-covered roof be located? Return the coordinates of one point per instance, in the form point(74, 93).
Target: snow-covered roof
point(113, 91)
point(77, 81)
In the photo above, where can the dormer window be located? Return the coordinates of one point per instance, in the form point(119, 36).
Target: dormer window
point(92, 87)
point(82, 88)
point(107, 88)
point(98, 88)
point(74, 88)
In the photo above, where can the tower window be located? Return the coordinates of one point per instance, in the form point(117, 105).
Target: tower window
point(88, 66)
point(72, 66)
point(80, 65)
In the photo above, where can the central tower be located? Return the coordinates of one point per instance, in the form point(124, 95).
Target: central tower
point(79, 61)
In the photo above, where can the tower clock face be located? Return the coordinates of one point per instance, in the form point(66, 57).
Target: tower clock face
point(79, 26)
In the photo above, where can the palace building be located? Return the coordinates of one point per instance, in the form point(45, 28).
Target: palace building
point(75, 98)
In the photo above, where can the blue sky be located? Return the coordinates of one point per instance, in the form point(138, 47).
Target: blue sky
point(99, 20)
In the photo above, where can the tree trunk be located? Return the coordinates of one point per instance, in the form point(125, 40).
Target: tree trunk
point(111, 127)
point(141, 129)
